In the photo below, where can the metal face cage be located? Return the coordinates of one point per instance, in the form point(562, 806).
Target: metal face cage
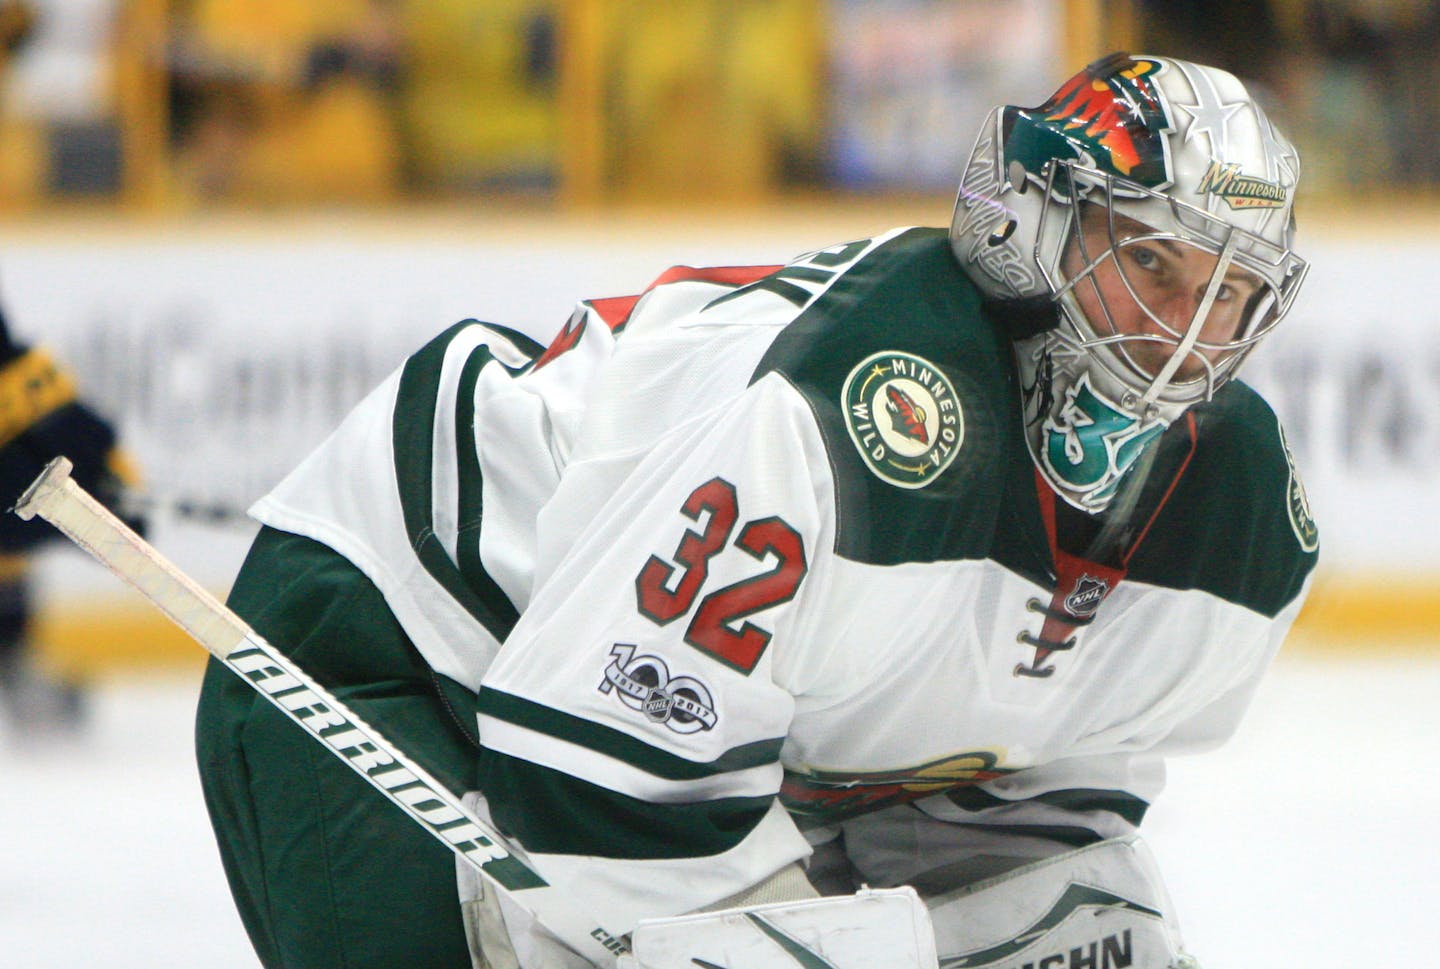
point(1140, 221)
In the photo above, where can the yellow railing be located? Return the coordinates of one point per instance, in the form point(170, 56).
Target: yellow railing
point(648, 100)
point(665, 100)
point(614, 100)
point(140, 98)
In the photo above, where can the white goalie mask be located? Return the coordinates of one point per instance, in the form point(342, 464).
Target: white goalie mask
point(1151, 200)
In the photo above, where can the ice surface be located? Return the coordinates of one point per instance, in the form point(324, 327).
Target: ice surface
point(107, 857)
point(1307, 841)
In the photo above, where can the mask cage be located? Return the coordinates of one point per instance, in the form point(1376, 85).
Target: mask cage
point(1276, 269)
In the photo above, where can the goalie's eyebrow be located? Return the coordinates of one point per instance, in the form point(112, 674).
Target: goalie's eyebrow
point(1125, 229)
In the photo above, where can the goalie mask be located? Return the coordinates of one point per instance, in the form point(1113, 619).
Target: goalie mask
point(1151, 201)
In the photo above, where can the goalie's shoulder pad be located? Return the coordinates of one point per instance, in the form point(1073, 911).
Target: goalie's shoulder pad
point(1103, 906)
point(886, 929)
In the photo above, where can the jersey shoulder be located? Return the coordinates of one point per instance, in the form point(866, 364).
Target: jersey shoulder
point(1239, 511)
point(914, 392)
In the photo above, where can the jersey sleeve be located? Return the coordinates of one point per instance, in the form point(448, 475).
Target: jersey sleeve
point(633, 721)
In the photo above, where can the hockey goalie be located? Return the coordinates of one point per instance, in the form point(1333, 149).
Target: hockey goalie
point(834, 613)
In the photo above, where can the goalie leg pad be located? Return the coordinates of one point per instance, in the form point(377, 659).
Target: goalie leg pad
point(1101, 907)
point(868, 930)
point(501, 934)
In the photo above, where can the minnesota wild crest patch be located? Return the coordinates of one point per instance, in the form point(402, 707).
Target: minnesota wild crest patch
point(904, 417)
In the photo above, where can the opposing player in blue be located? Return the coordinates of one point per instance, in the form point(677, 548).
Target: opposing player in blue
point(41, 416)
point(906, 563)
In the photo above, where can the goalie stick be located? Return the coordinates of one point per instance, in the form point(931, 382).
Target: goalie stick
point(55, 497)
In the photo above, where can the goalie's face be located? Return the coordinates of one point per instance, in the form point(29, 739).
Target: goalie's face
point(1144, 293)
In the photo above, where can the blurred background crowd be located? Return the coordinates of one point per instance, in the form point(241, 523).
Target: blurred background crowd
point(171, 103)
point(585, 145)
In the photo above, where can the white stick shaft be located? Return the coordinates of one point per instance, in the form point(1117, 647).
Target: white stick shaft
point(55, 497)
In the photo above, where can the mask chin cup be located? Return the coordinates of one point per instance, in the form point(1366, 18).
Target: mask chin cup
point(1082, 434)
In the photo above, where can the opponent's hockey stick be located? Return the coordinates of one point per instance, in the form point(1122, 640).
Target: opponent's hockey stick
point(55, 497)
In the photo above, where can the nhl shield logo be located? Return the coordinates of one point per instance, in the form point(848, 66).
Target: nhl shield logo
point(904, 417)
point(1089, 592)
point(658, 706)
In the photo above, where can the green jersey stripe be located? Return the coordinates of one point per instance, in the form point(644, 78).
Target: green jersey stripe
point(527, 347)
point(471, 485)
point(621, 746)
point(1079, 800)
point(413, 442)
point(602, 823)
point(471, 497)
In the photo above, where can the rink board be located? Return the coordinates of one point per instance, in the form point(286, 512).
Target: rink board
point(229, 346)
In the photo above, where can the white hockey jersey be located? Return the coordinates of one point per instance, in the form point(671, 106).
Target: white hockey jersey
point(759, 559)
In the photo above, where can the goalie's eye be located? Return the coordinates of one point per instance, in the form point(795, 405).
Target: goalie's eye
point(1145, 258)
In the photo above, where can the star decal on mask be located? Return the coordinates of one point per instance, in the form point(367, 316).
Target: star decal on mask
point(1285, 162)
point(1211, 115)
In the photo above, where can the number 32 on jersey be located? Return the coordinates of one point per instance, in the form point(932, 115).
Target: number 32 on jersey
point(664, 597)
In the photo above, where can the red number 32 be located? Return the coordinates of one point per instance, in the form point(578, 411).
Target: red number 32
point(710, 629)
